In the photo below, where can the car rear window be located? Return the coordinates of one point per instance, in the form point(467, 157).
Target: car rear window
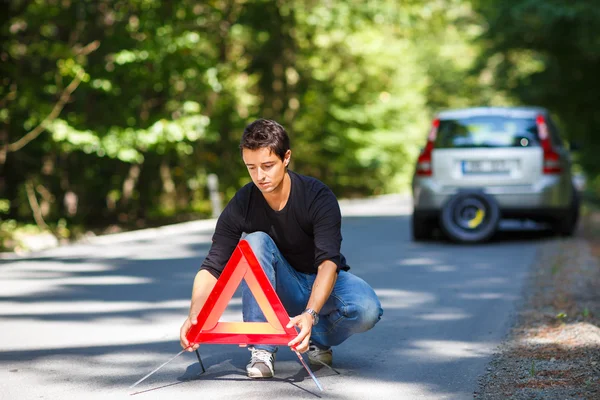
point(487, 131)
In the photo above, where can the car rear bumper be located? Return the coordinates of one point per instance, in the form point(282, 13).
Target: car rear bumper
point(535, 214)
point(550, 193)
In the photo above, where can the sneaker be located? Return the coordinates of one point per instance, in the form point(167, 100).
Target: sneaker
point(317, 356)
point(261, 365)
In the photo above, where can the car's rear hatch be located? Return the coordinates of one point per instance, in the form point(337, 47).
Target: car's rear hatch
point(487, 150)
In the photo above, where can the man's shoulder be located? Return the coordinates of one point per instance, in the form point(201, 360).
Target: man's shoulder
point(309, 183)
point(243, 196)
point(246, 189)
point(312, 190)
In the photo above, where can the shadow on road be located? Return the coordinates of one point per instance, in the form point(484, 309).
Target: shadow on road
point(440, 302)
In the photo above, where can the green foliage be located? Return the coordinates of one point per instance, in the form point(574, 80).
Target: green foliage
point(116, 111)
point(547, 53)
point(586, 313)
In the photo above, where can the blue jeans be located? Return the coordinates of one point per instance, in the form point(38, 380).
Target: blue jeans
point(352, 307)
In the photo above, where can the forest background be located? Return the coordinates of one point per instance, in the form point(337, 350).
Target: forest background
point(114, 114)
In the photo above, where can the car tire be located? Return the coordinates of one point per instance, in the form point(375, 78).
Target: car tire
point(470, 217)
point(422, 228)
point(567, 225)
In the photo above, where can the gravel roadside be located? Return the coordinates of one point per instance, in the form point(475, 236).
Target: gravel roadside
point(553, 351)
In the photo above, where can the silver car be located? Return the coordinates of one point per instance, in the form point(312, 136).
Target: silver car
point(483, 164)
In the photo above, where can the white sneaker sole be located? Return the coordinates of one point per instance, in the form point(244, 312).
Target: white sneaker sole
point(257, 374)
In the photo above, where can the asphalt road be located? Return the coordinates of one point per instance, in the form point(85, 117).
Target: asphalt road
point(86, 321)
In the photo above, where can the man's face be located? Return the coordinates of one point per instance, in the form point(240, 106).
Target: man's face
point(266, 169)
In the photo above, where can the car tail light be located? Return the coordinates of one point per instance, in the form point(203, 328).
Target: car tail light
point(424, 165)
point(551, 157)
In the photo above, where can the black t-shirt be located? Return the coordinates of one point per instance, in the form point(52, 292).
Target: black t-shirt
point(307, 230)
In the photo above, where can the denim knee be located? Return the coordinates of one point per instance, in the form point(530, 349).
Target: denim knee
point(259, 242)
point(369, 313)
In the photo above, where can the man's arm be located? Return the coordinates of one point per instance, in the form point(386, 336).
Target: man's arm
point(324, 213)
point(203, 285)
point(225, 239)
point(321, 290)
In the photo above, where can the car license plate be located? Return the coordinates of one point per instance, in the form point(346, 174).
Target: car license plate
point(487, 167)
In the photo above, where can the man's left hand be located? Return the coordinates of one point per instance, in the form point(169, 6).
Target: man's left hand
point(303, 321)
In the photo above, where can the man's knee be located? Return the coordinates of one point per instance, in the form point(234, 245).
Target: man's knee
point(259, 242)
point(369, 313)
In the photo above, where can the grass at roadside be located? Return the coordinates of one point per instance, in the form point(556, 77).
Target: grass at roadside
point(554, 349)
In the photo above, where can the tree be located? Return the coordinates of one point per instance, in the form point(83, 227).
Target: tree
point(117, 111)
point(547, 53)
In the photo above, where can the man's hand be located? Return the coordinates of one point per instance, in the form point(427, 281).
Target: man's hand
point(189, 321)
point(204, 283)
point(303, 321)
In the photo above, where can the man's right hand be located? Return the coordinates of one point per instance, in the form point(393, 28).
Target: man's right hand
point(204, 283)
point(187, 324)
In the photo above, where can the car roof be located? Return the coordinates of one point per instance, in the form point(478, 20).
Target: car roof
point(514, 112)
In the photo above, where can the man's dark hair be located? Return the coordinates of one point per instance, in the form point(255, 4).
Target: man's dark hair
point(266, 133)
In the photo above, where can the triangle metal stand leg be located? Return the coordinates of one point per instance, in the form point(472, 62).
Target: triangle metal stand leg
point(308, 370)
point(200, 361)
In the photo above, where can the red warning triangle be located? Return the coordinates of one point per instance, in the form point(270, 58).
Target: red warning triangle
point(242, 265)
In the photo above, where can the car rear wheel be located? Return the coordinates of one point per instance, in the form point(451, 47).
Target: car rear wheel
point(566, 225)
point(470, 217)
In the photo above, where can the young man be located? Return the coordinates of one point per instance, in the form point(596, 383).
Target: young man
point(292, 222)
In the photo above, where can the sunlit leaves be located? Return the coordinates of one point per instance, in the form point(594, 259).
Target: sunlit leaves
point(129, 145)
point(173, 84)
